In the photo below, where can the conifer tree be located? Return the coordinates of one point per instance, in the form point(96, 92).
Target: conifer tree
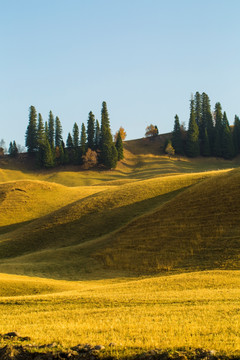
point(13, 150)
point(97, 135)
point(198, 108)
point(58, 132)
point(40, 129)
point(218, 130)
point(192, 145)
point(236, 135)
point(90, 130)
point(51, 129)
point(75, 136)
point(177, 141)
point(108, 156)
point(227, 141)
point(31, 140)
point(119, 146)
point(69, 141)
point(206, 123)
point(45, 155)
point(83, 140)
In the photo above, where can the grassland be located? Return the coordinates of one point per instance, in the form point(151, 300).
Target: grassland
point(146, 255)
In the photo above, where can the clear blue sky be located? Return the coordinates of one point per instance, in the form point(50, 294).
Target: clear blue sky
point(143, 57)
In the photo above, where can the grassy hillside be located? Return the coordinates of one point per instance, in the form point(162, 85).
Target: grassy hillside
point(192, 310)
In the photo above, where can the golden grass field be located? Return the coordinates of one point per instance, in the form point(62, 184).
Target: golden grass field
point(144, 256)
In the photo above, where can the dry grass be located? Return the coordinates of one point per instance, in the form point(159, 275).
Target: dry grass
point(196, 309)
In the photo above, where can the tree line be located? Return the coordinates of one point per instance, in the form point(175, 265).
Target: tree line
point(209, 133)
point(87, 146)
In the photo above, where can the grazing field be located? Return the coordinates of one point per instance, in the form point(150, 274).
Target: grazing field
point(143, 256)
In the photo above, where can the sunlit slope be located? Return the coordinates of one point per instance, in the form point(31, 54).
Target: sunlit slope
point(21, 201)
point(197, 229)
point(63, 242)
point(198, 309)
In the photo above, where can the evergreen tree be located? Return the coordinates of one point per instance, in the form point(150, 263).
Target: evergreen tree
point(40, 129)
point(227, 141)
point(236, 135)
point(51, 129)
point(58, 132)
point(205, 144)
point(108, 155)
point(31, 140)
point(83, 140)
point(119, 146)
point(198, 108)
point(218, 130)
point(45, 155)
point(90, 130)
point(69, 141)
point(177, 141)
point(75, 136)
point(13, 150)
point(206, 123)
point(97, 135)
point(192, 145)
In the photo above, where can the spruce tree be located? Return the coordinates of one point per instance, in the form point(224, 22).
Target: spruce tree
point(97, 136)
point(108, 156)
point(75, 136)
point(45, 155)
point(198, 108)
point(227, 141)
point(51, 129)
point(90, 130)
point(58, 132)
point(236, 135)
point(218, 130)
point(177, 141)
point(31, 140)
point(69, 141)
point(206, 123)
point(13, 150)
point(40, 129)
point(83, 140)
point(119, 146)
point(192, 145)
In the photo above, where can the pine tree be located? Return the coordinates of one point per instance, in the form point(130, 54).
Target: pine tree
point(97, 135)
point(218, 130)
point(40, 129)
point(119, 146)
point(90, 130)
point(31, 140)
point(206, 123)
point(198, 108)
point(177, 141)
point(83, 140)
point(69, 141)
point(45, 155)
point(75, 136)
point(192, 145)
point(58, 132)
point(236, 135)
point(51, 129)
point(227, 141)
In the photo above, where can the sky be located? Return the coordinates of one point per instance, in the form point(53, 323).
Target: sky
point(143, 57)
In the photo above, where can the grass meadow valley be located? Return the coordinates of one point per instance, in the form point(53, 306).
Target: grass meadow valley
point(142, 257)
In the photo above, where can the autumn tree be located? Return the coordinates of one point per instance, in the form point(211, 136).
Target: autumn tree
point(122, 132)
point(151, 130)
point(169, 149)
point(89, 159)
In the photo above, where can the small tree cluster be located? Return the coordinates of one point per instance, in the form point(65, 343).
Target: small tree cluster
point(45, 140)
point(151, 130)
point(209, 133)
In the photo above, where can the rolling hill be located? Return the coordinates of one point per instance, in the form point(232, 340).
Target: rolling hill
point(150, 214)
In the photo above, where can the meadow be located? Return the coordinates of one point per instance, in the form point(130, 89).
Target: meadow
point(144, 256)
